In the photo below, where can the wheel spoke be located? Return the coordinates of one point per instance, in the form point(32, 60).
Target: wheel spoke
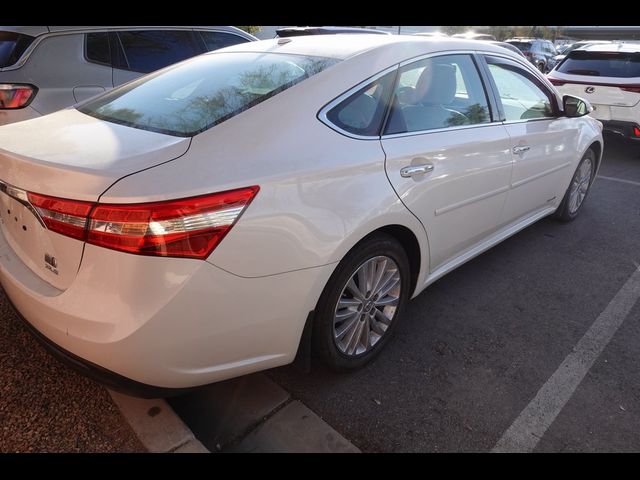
point(354, 339)
point(382, 318)
point(353, 288)
point(390, 285)
point(348, 302)
point(388, 300)
point(366, 330)
point(347, 326)
point(345, 314)
point(381, 268)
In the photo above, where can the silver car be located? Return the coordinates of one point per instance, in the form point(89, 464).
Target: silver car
point(44, 69)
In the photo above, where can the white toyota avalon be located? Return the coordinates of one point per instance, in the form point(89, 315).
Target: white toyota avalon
point(276, 198)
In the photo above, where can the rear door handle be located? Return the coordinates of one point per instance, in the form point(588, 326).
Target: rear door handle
point(412, 170)
point(521, 149)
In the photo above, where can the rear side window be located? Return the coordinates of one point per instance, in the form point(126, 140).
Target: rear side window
point(216, 40)
point(192, 97)
point(12, 46)
point(97, 48)
point(363, 112)
point(149, 50)
point(602, 64)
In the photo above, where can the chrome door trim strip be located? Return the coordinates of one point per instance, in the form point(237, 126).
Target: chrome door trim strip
point(468, 201)
point(539, 175)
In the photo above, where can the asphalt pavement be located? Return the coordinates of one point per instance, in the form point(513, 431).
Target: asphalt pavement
point(476, 347)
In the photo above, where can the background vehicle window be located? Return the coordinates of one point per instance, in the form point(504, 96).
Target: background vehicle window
point(602, 64)
point(438, 92)
point(216, 40)
point(98, 48)
point(12, 46)
point(149, 50)
point(363, 112)
point(521, 96)
point(192, 97)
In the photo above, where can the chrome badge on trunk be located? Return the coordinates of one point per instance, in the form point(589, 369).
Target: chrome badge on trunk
point(50, 263)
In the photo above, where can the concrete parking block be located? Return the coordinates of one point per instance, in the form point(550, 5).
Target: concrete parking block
point(155, 423)
point(192, 446)
point(225, 411)
point(295, 429)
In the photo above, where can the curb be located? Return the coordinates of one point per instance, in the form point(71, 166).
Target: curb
point(156, 425)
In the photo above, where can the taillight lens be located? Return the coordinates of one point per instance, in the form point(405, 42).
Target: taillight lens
point(556, 82)
point(14, 96)
point(631, 88)
point(190, 227)
point(636, 131)
point(67, 217)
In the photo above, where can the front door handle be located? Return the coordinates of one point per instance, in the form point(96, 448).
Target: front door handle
point(521, 149)
point(412, 170)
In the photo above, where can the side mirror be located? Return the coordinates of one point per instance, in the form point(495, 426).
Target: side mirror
point(575, 106)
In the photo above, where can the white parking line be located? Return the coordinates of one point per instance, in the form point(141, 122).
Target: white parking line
point(621, 180)
point(527, 430)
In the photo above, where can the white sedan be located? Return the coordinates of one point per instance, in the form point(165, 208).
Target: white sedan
point(276, 198)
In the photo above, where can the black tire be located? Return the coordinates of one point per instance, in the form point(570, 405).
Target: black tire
point(564, 213)
point(324, 344)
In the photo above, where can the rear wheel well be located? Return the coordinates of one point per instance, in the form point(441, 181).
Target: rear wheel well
point(597, 148)
point(411, 246)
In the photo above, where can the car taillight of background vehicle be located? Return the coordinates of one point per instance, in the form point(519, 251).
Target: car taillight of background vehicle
point(14, 96)
point(190, 227)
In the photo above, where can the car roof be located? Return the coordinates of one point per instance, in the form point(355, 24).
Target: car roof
point(41, 30)
point(342, 46)
point(298, 31)
point(612, 47)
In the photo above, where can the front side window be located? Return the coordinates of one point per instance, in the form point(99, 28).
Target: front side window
point(363, 112)
point(438, 92)
point(149, 50)
point(215, 40)
point(12, 46)
point(521, 94)
point(602, 64)
point(192, 97)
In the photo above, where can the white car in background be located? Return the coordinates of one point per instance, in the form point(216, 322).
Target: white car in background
point(608, 76)
point(224, 214)
point(44, 69)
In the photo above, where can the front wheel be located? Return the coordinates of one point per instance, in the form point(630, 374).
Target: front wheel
point(578, 188)
point(359, 308)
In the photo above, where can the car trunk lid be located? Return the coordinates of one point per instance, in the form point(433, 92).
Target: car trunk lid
point(68, 155)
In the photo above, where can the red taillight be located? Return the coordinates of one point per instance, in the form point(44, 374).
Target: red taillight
point(636, 131)
point(556, 82)
point(14, 96)
point(67, 217)
point(190, 227)
point(631, 88)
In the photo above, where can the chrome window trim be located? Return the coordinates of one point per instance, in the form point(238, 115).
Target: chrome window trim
point(322, 114)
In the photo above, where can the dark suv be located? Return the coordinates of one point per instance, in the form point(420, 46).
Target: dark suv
point(538, 51)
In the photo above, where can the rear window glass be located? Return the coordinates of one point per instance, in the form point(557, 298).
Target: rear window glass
point(216, 40)
point(522, 46)
point(194, 96)
point(602, 64)
point(12, 46)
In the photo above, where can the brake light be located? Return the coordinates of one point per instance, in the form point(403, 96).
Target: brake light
point(66, 217)
point(636, 131)
point(14, 96)
point(556, 82)
point(189, 227)
point(631, 88)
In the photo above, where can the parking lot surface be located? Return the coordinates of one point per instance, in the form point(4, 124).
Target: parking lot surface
point(476, 347)
point(472, 351)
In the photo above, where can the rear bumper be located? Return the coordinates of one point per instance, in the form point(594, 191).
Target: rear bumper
point(624, 129)
point(149, 325)
point(18, 115)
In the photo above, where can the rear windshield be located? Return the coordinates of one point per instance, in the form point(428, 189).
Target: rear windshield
point(601, 64)
point(195, 95)
point(522, 46)
point(12, 46)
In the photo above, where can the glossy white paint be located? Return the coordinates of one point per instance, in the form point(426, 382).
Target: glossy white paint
point(180, 322)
